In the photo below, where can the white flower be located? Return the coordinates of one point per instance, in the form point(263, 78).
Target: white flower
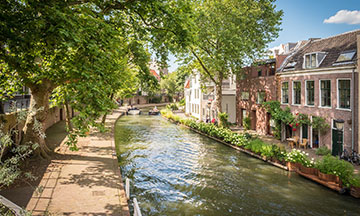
point(307, 154)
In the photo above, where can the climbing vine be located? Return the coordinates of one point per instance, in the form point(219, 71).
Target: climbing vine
point(285, 116)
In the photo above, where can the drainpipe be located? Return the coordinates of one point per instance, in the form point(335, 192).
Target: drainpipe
point(352, 111)
point(358, 93)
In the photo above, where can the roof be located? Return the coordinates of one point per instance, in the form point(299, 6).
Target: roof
point(332, 46)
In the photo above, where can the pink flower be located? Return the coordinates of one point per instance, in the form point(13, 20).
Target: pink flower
point(294, 129)
point(297, 124)
point(290, 125)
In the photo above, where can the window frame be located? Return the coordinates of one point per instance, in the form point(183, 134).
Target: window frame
point(293, 93)
point(306, 93)
point(320, 94)
point(338, 93)
point(310, 65)
point(248, 96)
point(282, 93)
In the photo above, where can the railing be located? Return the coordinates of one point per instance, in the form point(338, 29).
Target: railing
point(137, 211)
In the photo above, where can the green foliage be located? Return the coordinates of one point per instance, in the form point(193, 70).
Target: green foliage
point(319, 123)
point(323, 150)
point(355, 180)
point(227, 35)
point(332, 165)
point(12, 155)
point(172, 106)
point(223, 119)
point(297, 156)
point(247, 123)
point(182, 102)
point(225, 134)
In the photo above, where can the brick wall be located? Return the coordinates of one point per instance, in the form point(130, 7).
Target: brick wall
point(330, 113)
point(254, 84)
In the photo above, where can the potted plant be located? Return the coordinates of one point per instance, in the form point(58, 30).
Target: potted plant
point(295, 159)
point(332, 169)
point(355, 186)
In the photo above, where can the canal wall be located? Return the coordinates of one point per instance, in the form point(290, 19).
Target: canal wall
point(336, 185)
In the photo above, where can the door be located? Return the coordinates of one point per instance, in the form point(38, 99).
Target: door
point(315, 138)
point(337, 141)
point(61, 114)
point(305, 131)
point(268, 125)
point(288, 131)
point(253, 120)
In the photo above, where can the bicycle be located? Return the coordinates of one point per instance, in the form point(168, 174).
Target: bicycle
point(354, 158)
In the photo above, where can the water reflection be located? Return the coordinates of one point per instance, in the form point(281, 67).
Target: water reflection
point(175, 171)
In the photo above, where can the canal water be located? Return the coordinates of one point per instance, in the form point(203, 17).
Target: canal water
point(174, 171)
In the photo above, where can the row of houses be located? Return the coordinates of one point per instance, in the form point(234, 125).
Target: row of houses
point(315, 77)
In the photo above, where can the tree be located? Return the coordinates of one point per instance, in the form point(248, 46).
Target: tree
point(228, 34)
point(80, 46)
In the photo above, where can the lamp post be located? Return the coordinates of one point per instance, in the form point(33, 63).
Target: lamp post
point(339, 125)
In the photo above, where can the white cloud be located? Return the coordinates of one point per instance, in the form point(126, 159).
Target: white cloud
point(345, 16)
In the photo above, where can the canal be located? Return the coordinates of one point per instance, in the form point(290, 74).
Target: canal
point(175, 171)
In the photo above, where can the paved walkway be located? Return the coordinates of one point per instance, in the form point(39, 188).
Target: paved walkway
point(85, 182)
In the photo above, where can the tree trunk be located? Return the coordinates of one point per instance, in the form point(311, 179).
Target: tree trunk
point(103, 119)
point(67, 111)
point(34, 129)
point(218, 95)
point(104, 116)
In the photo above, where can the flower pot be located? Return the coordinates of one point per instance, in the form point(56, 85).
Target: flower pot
point(327, 177)
point(308, 170)
point(355, 191)
point(293, 167)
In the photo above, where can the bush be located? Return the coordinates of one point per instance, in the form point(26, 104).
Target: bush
point(297, 156)
point(172, 106)
point(355, 181)
point(323, 150)
point(332, 165)
point(223, 118)
point(244, 140)
point(246, 123)
point(182, 102)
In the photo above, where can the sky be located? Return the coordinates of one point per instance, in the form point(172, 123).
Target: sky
point(304, 19)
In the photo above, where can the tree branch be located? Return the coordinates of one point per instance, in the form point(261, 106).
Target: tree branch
point(203, 66)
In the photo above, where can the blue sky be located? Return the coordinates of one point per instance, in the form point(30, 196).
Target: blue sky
point(304, 19)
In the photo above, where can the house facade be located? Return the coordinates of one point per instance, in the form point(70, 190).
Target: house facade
point(257, 85)
point(200, 101)
point(321, 80)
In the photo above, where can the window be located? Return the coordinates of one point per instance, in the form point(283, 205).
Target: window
point(325, 93)
point(344, 94)
point(346, 56)
point(259, 73)
point(297, 92)
point(313, 60)
point(285, 92)
point(260, 97)
point(310, 60)
point(244, 95)
point(310, 92)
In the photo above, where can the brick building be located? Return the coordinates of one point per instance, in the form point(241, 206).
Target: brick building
point(258, 84)
point(321, 79)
